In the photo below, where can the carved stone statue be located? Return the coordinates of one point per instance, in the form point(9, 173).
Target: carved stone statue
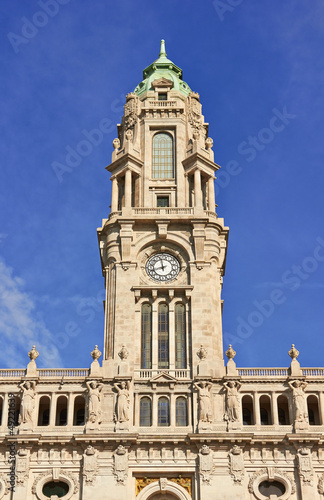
point(205, 407)
point(299, 397)
point(27, 402)
point(123, 401)
point(232, 400)
point(94, 404)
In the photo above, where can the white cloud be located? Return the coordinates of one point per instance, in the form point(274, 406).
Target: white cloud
point(21, 326)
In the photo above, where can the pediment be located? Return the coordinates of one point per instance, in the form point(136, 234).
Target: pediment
point(163, 377)
point(162, 82)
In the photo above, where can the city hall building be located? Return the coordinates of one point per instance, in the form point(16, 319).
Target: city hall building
point(159, 414)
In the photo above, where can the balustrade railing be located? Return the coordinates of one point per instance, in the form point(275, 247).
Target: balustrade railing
point(64, 372)
point(162, 104)
point(147, 374)
point(263, 372)
point(12, 373)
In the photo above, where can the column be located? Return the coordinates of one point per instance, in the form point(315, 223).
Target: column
point(52, 410)
point(114, 195)
point(4, 422)
point(186, 181)
point(188, 334)
point(256, 409)
point(154, 410)
point(189, 409)
point(128, 188)
point(172, 409)
point(274, 409)
point(321, 407)
point(136, 409)
point(154, 336)
point(70, 409)
point(211, 194)
point(198, 193)
point(171, 338)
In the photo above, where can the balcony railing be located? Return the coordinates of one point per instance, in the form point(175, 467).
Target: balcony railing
point(59, 373)
point(64, 372)
point(176, 373)
point(163, 104)
point(278, 372)
point(12, 373)
point(263, 372)
point(163, 211)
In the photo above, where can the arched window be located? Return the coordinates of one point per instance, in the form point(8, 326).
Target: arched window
point(163, 336)
point(163, 412)
point(146, 336)
point(162, 161)
point(247, 410)
point(265, 410)
point(283, 411)
point(181, 412)
point(313, 413)
point(145, 412)
point(180, 336)
point(1, 408)
point(43, 411)
point(61, 411)
point(79, 411)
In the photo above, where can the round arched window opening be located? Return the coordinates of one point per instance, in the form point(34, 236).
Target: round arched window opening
point(58, 488)
point(268, 488)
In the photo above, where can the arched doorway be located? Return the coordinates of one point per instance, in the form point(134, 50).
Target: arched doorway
point(160, 496)
point(163, 489)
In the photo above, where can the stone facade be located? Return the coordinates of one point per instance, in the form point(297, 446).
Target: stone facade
point(162, 416)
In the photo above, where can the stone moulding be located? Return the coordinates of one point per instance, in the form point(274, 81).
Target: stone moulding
point(66, 476)
point(271, 473)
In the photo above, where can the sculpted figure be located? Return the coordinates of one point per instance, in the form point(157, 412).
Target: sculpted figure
point(232, 400)
point(94, 407)
point(27, 402)
point(298, 388)
point(123, 401)
point(205, 411)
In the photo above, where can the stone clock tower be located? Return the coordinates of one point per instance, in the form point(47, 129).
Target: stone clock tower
point(162, 418)
point(163, 247)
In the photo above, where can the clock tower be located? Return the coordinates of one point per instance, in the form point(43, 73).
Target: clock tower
point(163, 247)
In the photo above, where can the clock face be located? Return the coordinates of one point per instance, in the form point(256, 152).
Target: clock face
point(162, 267)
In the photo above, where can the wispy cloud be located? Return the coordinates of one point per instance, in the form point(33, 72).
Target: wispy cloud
point(21, 325)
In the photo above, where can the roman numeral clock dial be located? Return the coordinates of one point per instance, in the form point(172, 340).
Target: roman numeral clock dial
point(162, 267)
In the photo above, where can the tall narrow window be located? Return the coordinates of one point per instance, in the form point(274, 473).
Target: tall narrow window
point(181, 412)
point(163, 412)
point(146, 337)
point(163, 336)
point(180, 336)
point(145, 412)
point(162, 161)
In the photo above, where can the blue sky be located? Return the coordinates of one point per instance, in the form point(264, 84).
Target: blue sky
point(258, 67)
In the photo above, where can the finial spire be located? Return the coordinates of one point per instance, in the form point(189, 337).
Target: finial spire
point(162, 49)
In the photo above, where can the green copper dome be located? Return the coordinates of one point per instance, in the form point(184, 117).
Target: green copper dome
point(162, 68)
